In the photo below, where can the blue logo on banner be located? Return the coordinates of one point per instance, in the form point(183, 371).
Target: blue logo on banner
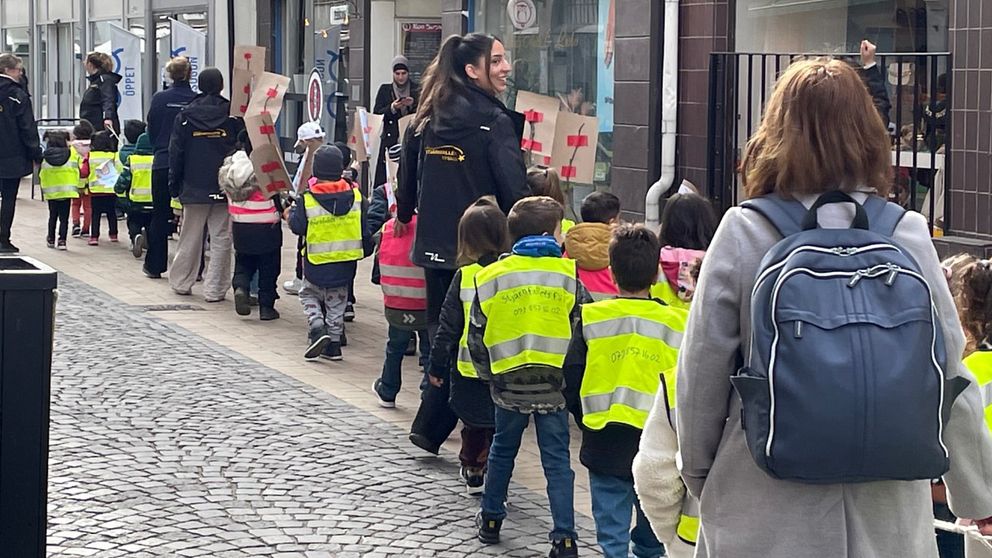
point(177, 52)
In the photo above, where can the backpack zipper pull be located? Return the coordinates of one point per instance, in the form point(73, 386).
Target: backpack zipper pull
point(854, 280)
point(893, 274)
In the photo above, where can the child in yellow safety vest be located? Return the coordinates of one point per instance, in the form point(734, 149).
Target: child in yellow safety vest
point(519, 329)
point(59, 178)
point(482, 238)
point(81, 211)
point(331, 215)
point(623, 352)
point(134, 190)
point(104, 169)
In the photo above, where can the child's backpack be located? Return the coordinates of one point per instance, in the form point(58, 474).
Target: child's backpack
point(845, 379)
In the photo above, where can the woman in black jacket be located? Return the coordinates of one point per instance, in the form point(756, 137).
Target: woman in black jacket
point(394, 101)
point(463, 144)
point(19, 144)
point(99, 102)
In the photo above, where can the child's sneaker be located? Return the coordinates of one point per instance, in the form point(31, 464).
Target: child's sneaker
point(333, 351)
point(113, 238)
point(383, 402)
point(293, 287)
point(349, 313)
point(61, 245)
point(50, 242)
point(488, 528)
point(319, 339)
point(475, 479)
point(564, 548)
point(76, 231)
point(94, 241)
point(267, 313)
point(137, 245)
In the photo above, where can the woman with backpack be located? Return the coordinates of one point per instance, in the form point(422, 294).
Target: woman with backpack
point(856, 304)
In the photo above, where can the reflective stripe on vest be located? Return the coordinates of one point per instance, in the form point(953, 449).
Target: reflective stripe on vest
point(527, 302)
point(663, 291)
point(256, 209)
point(141, 178)
point(61, 182)
point(688, 528)
point(631, 342)
point(333, 238)
point(466, 294)
point(104, 171)
point(980, 364)
point(403, 284)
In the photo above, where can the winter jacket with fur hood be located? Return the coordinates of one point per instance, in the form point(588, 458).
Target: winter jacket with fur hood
point(589, 245)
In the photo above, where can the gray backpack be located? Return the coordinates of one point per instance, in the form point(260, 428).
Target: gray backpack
point(845, 380)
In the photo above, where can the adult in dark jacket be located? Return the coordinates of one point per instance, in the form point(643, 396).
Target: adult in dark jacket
point(19, 144)
point(394, 101)
point(464, 144)
point(99, 102)
point(872, 76)
point(165, 106)
point(203, 135)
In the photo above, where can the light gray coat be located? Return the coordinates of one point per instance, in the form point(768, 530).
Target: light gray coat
point(745, 513)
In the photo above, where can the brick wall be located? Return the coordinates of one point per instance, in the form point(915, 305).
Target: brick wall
point(970, 187)
point(704, 27)
point(637, 113)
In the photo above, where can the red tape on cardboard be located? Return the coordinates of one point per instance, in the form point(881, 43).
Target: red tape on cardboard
point(578, 141)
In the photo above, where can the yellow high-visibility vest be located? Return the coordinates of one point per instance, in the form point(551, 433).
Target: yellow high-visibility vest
point(662, 290)
point(141, 178)
point(566, 224)
point(104, 171)
point(466, 294)
point(688, 527)
point(631, 342)
point(980, 364)
point(332, 238)
point(527, 302)
point(60, 182)
point(174, 203)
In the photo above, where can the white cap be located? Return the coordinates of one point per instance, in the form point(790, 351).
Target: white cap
point(308, 131)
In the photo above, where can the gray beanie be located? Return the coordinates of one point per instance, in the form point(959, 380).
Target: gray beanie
point(328, 164)
point(401, 63)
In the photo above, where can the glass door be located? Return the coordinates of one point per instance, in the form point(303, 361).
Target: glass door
point(60, 71)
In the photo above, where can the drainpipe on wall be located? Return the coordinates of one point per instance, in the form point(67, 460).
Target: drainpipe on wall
point(669, 115)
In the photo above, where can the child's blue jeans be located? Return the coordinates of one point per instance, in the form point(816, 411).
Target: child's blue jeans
point(613, 503)
point(392, 367)
point(552, 439)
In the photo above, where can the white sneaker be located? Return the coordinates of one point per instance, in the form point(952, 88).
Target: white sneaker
point(293, 287)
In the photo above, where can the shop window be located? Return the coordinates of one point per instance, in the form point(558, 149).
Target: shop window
point(562, 50)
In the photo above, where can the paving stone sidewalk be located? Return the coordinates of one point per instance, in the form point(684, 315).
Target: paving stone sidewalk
point(166, 444)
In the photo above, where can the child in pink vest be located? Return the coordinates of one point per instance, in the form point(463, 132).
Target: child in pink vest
point(256, 227)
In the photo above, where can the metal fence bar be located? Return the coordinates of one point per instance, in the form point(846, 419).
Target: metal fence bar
point(928, 128)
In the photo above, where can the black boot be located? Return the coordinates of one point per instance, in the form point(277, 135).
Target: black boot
point(266, 313)
point(488, 528)
point(241, 305)
point(564, 548)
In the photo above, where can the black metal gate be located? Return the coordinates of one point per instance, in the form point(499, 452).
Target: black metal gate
point(919, 89)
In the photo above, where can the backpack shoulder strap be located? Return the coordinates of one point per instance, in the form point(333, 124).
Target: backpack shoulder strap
point(785, 215)
point(883, 216)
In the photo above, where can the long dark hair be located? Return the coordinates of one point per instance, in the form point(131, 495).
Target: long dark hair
point(687, 222)
point(445, 76)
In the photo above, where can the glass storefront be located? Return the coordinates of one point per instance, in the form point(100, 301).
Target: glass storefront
point(562, 50)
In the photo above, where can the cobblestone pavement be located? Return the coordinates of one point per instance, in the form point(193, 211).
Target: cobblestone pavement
point(166, 444)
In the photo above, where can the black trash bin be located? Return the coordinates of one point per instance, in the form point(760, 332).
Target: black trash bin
point(27, 318)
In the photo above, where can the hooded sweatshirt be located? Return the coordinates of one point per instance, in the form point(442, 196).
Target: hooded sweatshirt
point(469, 150)
point(203, 136)
point(335, 274)
point(99, 101)
point(589, 245)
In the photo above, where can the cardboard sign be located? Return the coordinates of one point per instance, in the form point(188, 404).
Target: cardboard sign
point(540, 116)
point(403, 124)
point(250, 58)
point(366, 130)
point(240, 92)
point(261, 131)
point(574, 156)
point(270, 169)
point(267, 94)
